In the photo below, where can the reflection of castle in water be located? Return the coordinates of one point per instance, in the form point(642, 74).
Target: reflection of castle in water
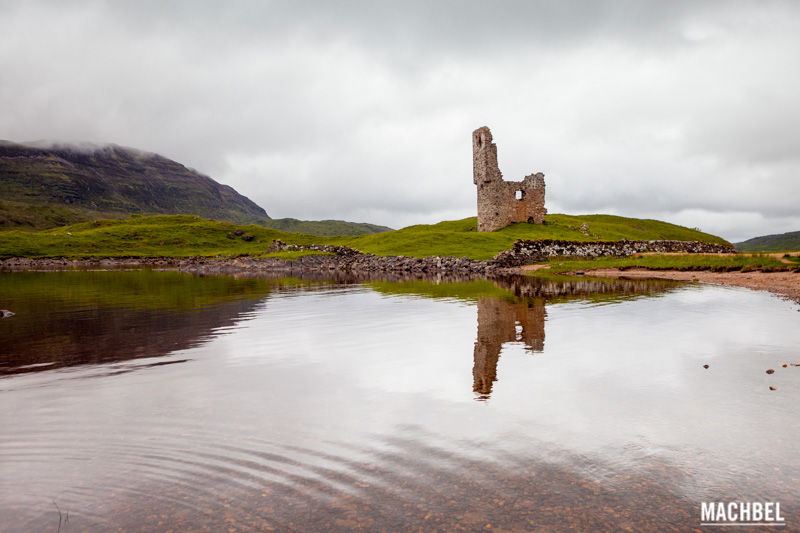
point(499, 322)
point(521, 316)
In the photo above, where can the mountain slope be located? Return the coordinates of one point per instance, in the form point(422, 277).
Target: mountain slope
point(49, 185)
point(781, 242)
point(112, 179)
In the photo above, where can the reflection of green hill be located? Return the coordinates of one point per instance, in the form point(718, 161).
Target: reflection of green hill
point(459, 290)
point(137, 289)
point(516, 288)
point(73, 318)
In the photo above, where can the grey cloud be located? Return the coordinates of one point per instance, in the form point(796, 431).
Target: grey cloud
point(361, 109)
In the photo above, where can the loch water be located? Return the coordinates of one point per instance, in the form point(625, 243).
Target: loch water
point(164, 401)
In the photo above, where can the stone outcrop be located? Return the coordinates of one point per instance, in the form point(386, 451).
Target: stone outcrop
point(278, 245)
point(527, 251)
point(500, 202)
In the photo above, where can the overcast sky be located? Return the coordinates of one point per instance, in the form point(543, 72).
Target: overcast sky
point(682, 111)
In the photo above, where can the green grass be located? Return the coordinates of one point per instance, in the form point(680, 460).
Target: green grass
point(150, 236)
point(460, 237)
point(717, 263)
point(188, 235)
point(31, 216)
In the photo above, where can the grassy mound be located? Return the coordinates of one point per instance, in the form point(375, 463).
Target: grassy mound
point(461, 238)
point(187, 235)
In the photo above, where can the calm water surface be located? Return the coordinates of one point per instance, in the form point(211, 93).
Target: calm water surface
point(158, 401)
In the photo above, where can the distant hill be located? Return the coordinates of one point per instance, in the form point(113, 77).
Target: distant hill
point(46, 185)
point(782, 242)
point(323, 227)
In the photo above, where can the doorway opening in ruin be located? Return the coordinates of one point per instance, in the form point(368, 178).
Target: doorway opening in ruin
point(519, 194)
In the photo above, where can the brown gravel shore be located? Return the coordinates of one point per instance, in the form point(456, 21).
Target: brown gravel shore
point(785, 284)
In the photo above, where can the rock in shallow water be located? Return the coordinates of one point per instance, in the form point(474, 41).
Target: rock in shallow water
point(5, 313)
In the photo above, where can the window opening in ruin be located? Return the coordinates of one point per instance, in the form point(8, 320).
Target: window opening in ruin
point(519, 194)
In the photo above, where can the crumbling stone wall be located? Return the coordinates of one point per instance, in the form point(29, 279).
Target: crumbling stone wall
point(278, 245)
point(527, 251)
point(345, 258)
point(500, 202)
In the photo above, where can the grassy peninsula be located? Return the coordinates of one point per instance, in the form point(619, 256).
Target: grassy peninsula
point(188, 235)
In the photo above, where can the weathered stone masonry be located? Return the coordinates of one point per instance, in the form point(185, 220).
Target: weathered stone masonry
point(525, 251)
point(500, 202)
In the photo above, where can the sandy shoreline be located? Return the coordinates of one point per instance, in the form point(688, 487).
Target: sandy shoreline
point(785, 284)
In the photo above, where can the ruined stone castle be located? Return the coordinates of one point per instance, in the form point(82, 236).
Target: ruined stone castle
point(500, 202)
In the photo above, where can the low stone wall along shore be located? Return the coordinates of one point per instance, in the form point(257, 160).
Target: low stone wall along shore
point(525, 252)
point(346, 259)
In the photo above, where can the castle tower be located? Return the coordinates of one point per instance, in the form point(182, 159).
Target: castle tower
point(500, 202)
